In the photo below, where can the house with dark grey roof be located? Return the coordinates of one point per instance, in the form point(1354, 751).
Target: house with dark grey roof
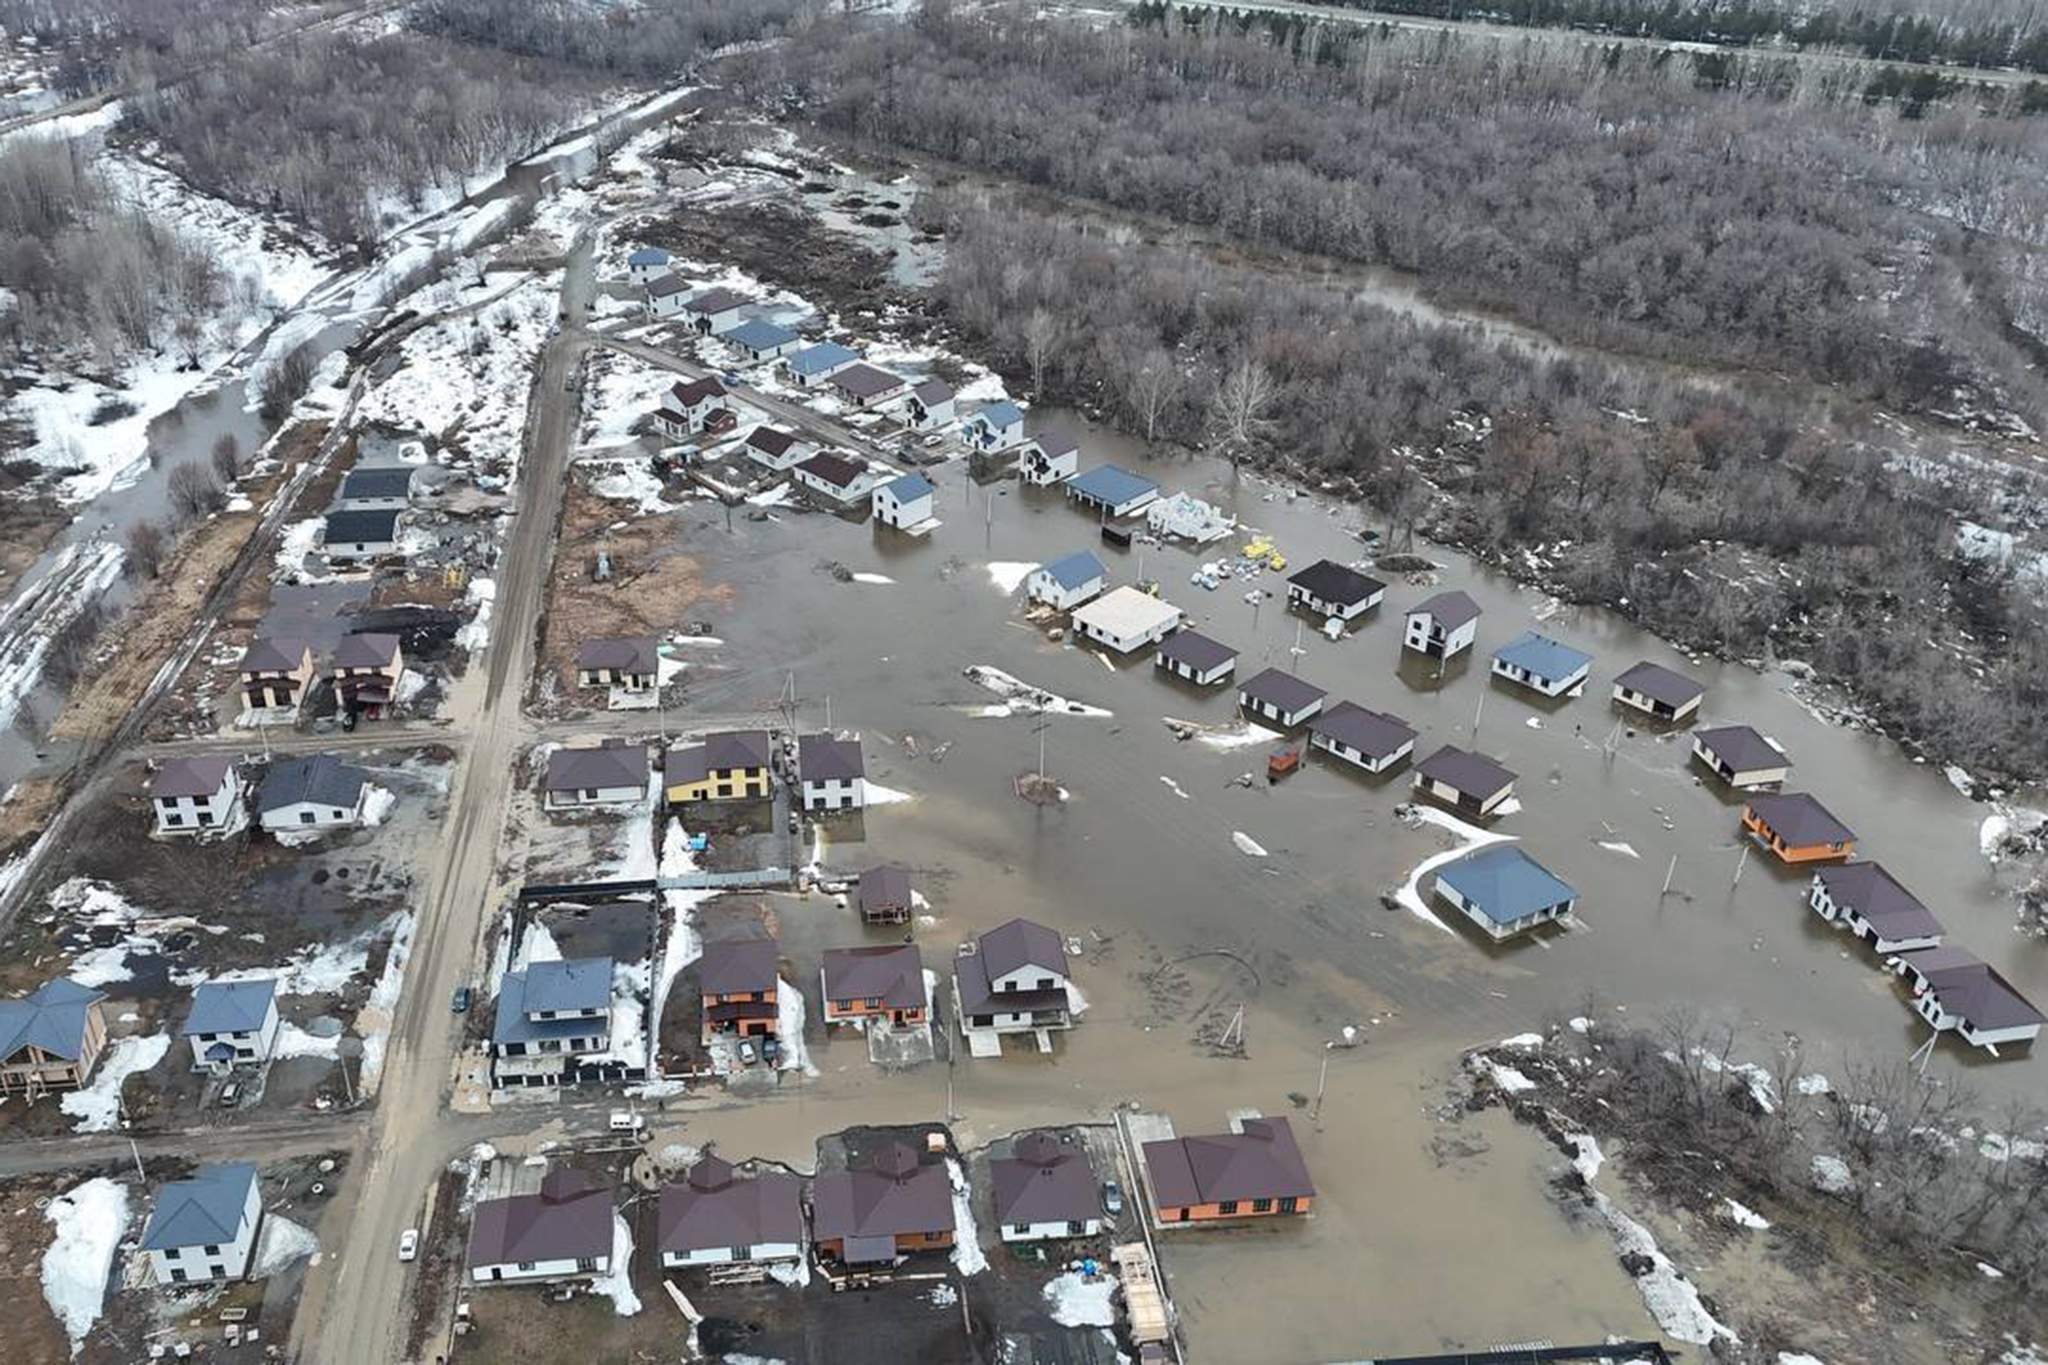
point(1955, 991)
point(762, 339)
point(1542, 664)
point(904, 501)
point(717, 1217)
point(1014, 980)
point(1797, 828)
point(312, 791)
point(1279, 697)
point(1504, 891)
point(931, 405)
point(688, 404)
point(549, 1016)
point(1045, 1189)
point(834, 477)
point(832, 773)
point(893, 1203)
point(366, 670)
point(1334, 591)
point(1441, 627)
point(362, 534)
point(51, 1038)
point(1052, 456)
point(813, 365)
point(631, 662)
point(1741, 757)
point(564, 1230)
point(203, 1230)
point(613, 773)
point(883, 984)
point(867, 386)
point(994, 426)
point(1364, 738)
point(716, 311)
point(1872, 904)
point(1254, 1171)
point(196, 795)
point(1469, 783)
point(739, 980)
point(1191, 655)
point(231, 1024)
point(384, 488)
point(1657, 692)
point(883, 895)
point(667, 292)
point(729, 765)
point(1067, 582)
point(776, 450)
point(277, 672)
point(1111, 491)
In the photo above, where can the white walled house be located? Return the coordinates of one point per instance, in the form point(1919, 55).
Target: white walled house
point(1045, 1190)
point(686, 406)
point(383, 488)
point(1954, 991)
point(1871, 904)
point(1280, 698)
point(1126, 619)
point(1372, 740)
point(1067, 582)
point(715, 312)
point(195, 795)
point(666, 294)
point(762, 340)
point(646, 264)
point(550, 1015)
point(1542, 664)
point(613, 773)
point(562, 1231)
point(314, 792)
point(996, 426)
point(1658, 692)
point(203, 1230)
point(1469, 783)
point(364, 534)
point(835, 477)
point(930, 406)
point(1110, 491)
point(832, 772)
point(1015, 981)
point(1740, 756)
point(813, 365)
point(231, 1024)
point(1442, 627)
point(1196, 658)
point(1334, 591)
point(717, 1217)
point(904, 501)
point(1048, 458)
point(777, 450)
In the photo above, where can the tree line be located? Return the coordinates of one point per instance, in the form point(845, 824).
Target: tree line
point(101, 43)
point(644, 41)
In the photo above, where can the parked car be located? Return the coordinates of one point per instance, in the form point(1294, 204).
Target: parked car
point(771, 1050)
point(746, 1053)
point(230, 1094)
point(625, 1121)
point(460, 1004)
point(1112, 1198)
point(409, 1244)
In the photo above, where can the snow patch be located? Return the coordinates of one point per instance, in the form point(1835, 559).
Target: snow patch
point(1247, 845)
point(1470, 837)
point(282, 1242)
point(1009, 575)
point(616, 1284)
point(1078, 1301)
point(879, 795)
point(1831, 1175)
point(968, 1257)
point(1673, 1300)
point(1744, 1216)
point(97, 1107)
point(90, 1220)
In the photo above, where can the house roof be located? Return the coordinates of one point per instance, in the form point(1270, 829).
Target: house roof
point(716, 300)
point(583, 983)
point(824, 758)
point(722, 750)
point(274, 654)
point(772, 440)
point(893, 972)
point(1044, 1180)
point(1660, 684)
point(999, 415)
point(1110, 484)
point(197, 776)
point(1973, 989)
point(933, 392)
point(710, 1207)
point(648, 255)
point(1022, 943)
point(738, 966)
point(1742, 748)
point(51, 1017)
point(1877, 896)
point(885, 887)
point(890, 1195)
point(203, 1211)
point(570, 1219)
point(1473, 774)
point(1075, 570)
point(1281, 689)
point(865, 381)
point(1505, 884)
point(663, 286)
point(384, 481)
point(229, 1007)
point(689, 393)
point(1799, 820)
point(362, 526)
point(1196, 650)
point(1057, 441)
point(1542, 656)
point(1334, 582)
point(820, 358)
point(1262, 1162)
point(1448, 609)
point(604, 765)
point(759, 334)
point(910, 487)
point(631, 654)
point(978, 994)
point(365, 649)
point(1373, 733)
point(321, 779)
point(1127, 611)
point(834, 470)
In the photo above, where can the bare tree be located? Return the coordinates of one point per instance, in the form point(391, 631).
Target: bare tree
point(1042, 333)
point(284, 383)
point(145, 550)
point(1240, 407)
point(194, 491)
point(1150, 386)
point(227, 457)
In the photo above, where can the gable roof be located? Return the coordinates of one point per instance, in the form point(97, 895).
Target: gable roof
point(711, 1207)
point(1799, 820)
point(863, 380)
point(1261, 1162)
point(1449, 610)
point(738, 966)
point(1542, 657)
point(1111, 484)
point(632, 654)
point(664, 286)
point(1660, 684)
point(1334, 582)
point(648, 255)
point(1470, 773)
point(1973, 989)
point(820, 358)
point(1878, 897)
point(200, 775)
point(383, 481)
point(362, 526)
point(1742, 748)
point(51, 1017)
point(893, 973)
point(1505, 884)
point(716, 300)
point(570, 1219)
point(759, 334)
point(274, 654)
point(365, 649)
point(825, 758)
point(1075, 570)
point(933, 392)
point(1196, 650)
point(1044, 1180)
point(1054, 442)
point(910, 487)
point(321, 779)
point(1373, 733)
point(893, 1193)
point(1022, 943)
point(203, 1211)
point(834, 470)
point(689, 393)
point(772, 440)
point(884, 886)
point(1281, 689)
point(229, 1007)
point(998, 415)
point(596, 768)
point(721, 750)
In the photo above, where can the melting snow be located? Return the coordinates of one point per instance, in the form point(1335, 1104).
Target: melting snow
point(1081, 1302)
point(789, 1029)
point(616, 1284)
point(1469, 837)
point(967, 1253)
point(1588, 1158)
point(879, 795)
point(1175, 786)
point(1247, 845)
point(89, 1219)
point(1022, 699)
point(1009, 575)
point(1744, 1216)
point(98, 1106)
point(1812, 1083)
point(1625, 849)
point(1673, 1300)
point(1831, 1175)
point(872, 578)
point(1523, 1040)
point(282, 1242)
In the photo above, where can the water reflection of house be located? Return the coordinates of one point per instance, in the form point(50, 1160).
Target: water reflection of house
point(366, 670)
point(1658, 692)
point(1797, 828)
point(1471, 784)
point(1871, 904)
point(1443, 626)
point(1255, 1171)
point(1954, 990)
point(718, 1217)
point(51, 1038)
point(1741, 757)
point(883, 984)
point(738, 982)
point(892, 1204)
point(276, 672)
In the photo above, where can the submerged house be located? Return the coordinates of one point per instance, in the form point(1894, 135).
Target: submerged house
point(1469, 783)
point(1658, 692)
point(1194, 656)
point(1871, 904)
point(1067, 582)
point(1255, 1171)
point(1741, 757)
point(891, 1204)
point(835, 477)
point(1372, 740)
point(996, 426)
point(1050, 457)
point(1504, 891)
point(1279, 697)
point(718, 1217)
point(1441, 627)
point(1111, 491)
point(904, 501)
point(1334, 591)
point(1542, 664)
point(1797, 828)
point(51, 1038)
point(1014, 980)
point(1045, 1190)
point(1125, 619)
point(1957, 992)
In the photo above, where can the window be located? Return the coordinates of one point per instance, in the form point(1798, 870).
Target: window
point(1045, 983)
point(1227, 1207)
point(1020, 1228)
point(758, 996)
point(526, 1265)
point(586, 1263)
point(213, 1251)
point(178, 1277)
point(1176, 1215)
point(305, 817)
point(590, 793)
point(1289, 1204)
point(1076, 1228)
point(742, 1253)
point(1262, 1206)
point(173, 819)
point(173, 1253)
point(725, 789)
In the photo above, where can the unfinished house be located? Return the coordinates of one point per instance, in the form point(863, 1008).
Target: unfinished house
point(632, 663)
point(277, 672)
point(51, 1038)
point(366, 670)
point(883, 895)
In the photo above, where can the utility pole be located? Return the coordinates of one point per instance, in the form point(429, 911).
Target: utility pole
point(1478, 711)
point(136, 1152)
point(1740, 863)
point(1669, 873)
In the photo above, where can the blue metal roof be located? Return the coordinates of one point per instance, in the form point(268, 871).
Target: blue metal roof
point(1505, 884)
point(204, 1211)
point(1000, 415)
point(1075, 570)
point(52, 1017)
point(759, 334)
point(1109, 484)
point(229, 1007)
point(583, 983)
point(648, 255)
point(820, 358)
point(910, 487)
point(1542, 656)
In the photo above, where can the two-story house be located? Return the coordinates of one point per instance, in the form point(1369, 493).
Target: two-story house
point(1014, 981)
point(196, 795)
point(732, 765)
point(892, 1203)
point(548, 1015)
point(51, 1038)
point(203, 1230)
point(832, 773)
point(738, 981)
point(1441, 627)
point(881, 984)
point(231, 1024)
point(366, 670)
point(277, 672)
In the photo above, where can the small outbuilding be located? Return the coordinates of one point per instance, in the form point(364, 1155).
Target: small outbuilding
point(1443, 626)
point(1067, 582)
point(1469, 783)
point(1658, 692)
point(1111, 491)
point(1372, 740)
point(1126, 619)
point(1504, 891)
point(1741, 757)
point(1279, 697)
point(1542, 664)
point(1871, 904)
point(1954, 990)
point(1797, 828)
point(1195, 657)
point(1334, 591)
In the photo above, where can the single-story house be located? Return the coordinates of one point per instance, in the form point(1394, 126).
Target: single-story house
point(1194, 656)
point(563, 1230)
point(762, 339)
point(716, 311)
point(1542, 664)
point(1740, 756)
point(1469, 783)
point(1278, 696)
point(1505, 891)
point(317, 791)
point(867, 386)
point(1050, 457)
point(1442, 626)
point(667, 292)
point(832, 773)
point(1188, 517)
point(632, 662)
point(888, 1205)
point(385, 488)
point(549, 1016)
point(277, 670)
point(1255, 1171)
point(878, 983)
point(1797, 828)
point(931, 405)
point(231, 1024)
point(1334, 590)
point(1014, 980)
point(905, 501)
point(366, 670)
point(883, 895)
point(775, 449)
point(1126, 619)
point(716, 1218)
point(1372, 740)
point(688, 404)
point(835, 477)
point(1045, 1189)
point(204, 1229)
point(1871, 904)
point(813, 365)
point(1955, 990)
point(731, 765)
point(613, 773)
point(51, 1038)
point(738, 980)
point(1067, 582)
point(1111, 490)
point(1658, 692)
point(647, 263)
point(994, 426)
point(361, 534)
point(193, 795)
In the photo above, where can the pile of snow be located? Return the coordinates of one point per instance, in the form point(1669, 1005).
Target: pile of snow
point(1081, 1302)
point(879, 795)
point(1470, 837)
point(796, 1274)
point(1673, 1300)
point(1831, 1175)
point(1009, 575)
point(297, 541)
point(1744, 1216)
point(293, 1041)
point(482, 594)
point(789, 1029)
point(1524, 1041)
point(1227, 737)
point(874, 578)
point(379, 801)
point(373, 1023)
point(281, 1243)
point(1624, 848)
point(1247, 845)
point(967, 1254)
point(97, 1107)
point(1812, 1083)
point(633, 481)
point(1587, 1158)
point(616, 1284)
point(89, 1219)
point(1509, 1079)
point(1022, 699)
point(684, 945)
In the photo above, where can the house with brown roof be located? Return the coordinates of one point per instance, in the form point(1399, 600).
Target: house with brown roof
point(51, 1038)
point(1469, 783)
point(1871, 904)
point(718, 1217)
point(687, 406)
point(1334, 591)
point(1741, 757)
point(1364, 738)
point(563, 1230)
point(1797, 828)
point(892, 1204)
point(1254, 1171)
point(1441, 627)
point(277, 671)
point(835, 478)
point(1278, 697)
point(738, 980)
point(931, 405)
point(1013, 979)
point(715, 311)
point(867, 386)
point(831, 773)
point(731, 765)
point(883, 984)
point(884, 895)
point(776, 450)
point(613, 773)
point(630, 662)
point(1957, 992)
point(197, 795)
point(1045, 1189)
point(1658, 692)
point(1193, 656)
point(366, 670)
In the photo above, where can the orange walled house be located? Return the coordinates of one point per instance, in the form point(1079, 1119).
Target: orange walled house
point(888, 1205)
point(738, 982)
point(882, 983)
point(1797, 828)
point(1255, 1171)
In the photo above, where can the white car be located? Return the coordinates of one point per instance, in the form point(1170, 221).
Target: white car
point(409, 1244)
point(624, 1122)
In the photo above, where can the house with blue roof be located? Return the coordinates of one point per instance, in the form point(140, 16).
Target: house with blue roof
point(51, 1038)
point(762, 339)
point(1112, 491)
point(1505, 891)
point(231, 1024)
point(994, 426)
point(813, 365)
point(647, 263)
point(1542, 664)
point(1067, 582)
point(549, 1016)
point(204, 1229)
point(904, 502)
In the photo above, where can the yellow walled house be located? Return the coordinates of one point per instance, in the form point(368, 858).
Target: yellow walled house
point(730, 766)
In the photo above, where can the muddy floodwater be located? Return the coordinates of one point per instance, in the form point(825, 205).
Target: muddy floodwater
point(1180, 926)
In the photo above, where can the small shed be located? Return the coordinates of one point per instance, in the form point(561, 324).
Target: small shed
point(1471, 784)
